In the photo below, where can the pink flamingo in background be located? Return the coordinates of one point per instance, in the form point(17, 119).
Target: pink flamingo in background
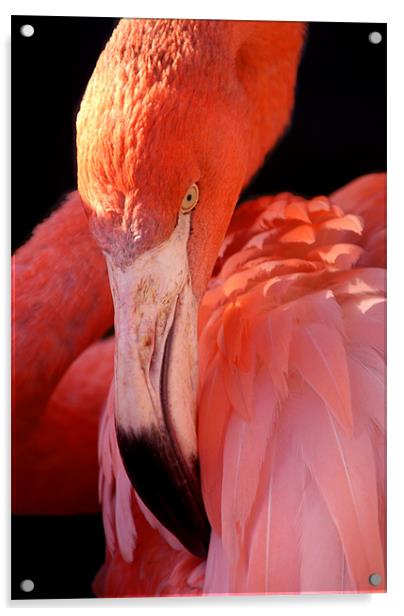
point(269, 476)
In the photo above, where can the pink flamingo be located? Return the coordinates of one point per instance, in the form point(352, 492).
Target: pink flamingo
point(269, 476)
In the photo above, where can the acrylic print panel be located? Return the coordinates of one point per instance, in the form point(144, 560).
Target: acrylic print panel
point(219, 425)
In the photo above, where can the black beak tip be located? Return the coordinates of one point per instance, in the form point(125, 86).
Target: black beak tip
point(168, 485)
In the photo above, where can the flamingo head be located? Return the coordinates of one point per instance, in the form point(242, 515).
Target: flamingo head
point(169, 131)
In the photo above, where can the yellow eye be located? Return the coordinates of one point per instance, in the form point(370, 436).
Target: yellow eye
point(191, 199)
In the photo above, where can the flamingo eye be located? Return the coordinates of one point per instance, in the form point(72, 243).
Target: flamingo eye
point(191, 199)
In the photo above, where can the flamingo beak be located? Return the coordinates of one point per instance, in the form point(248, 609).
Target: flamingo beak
point(156, 384)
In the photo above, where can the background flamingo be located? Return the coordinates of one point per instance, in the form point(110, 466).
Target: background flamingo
point(309, 271)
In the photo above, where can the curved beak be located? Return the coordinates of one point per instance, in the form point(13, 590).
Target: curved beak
point(156, 383)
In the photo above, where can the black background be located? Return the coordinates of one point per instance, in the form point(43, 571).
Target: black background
point(338, 132)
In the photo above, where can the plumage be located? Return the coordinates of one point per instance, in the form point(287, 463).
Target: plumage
point(317, 432)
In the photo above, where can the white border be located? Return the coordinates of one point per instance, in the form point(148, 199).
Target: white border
point(292, 10)
point(308, 10)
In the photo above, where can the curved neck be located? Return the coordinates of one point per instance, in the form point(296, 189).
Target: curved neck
point(61, 303)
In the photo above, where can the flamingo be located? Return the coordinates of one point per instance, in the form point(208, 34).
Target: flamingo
point(263, 469)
